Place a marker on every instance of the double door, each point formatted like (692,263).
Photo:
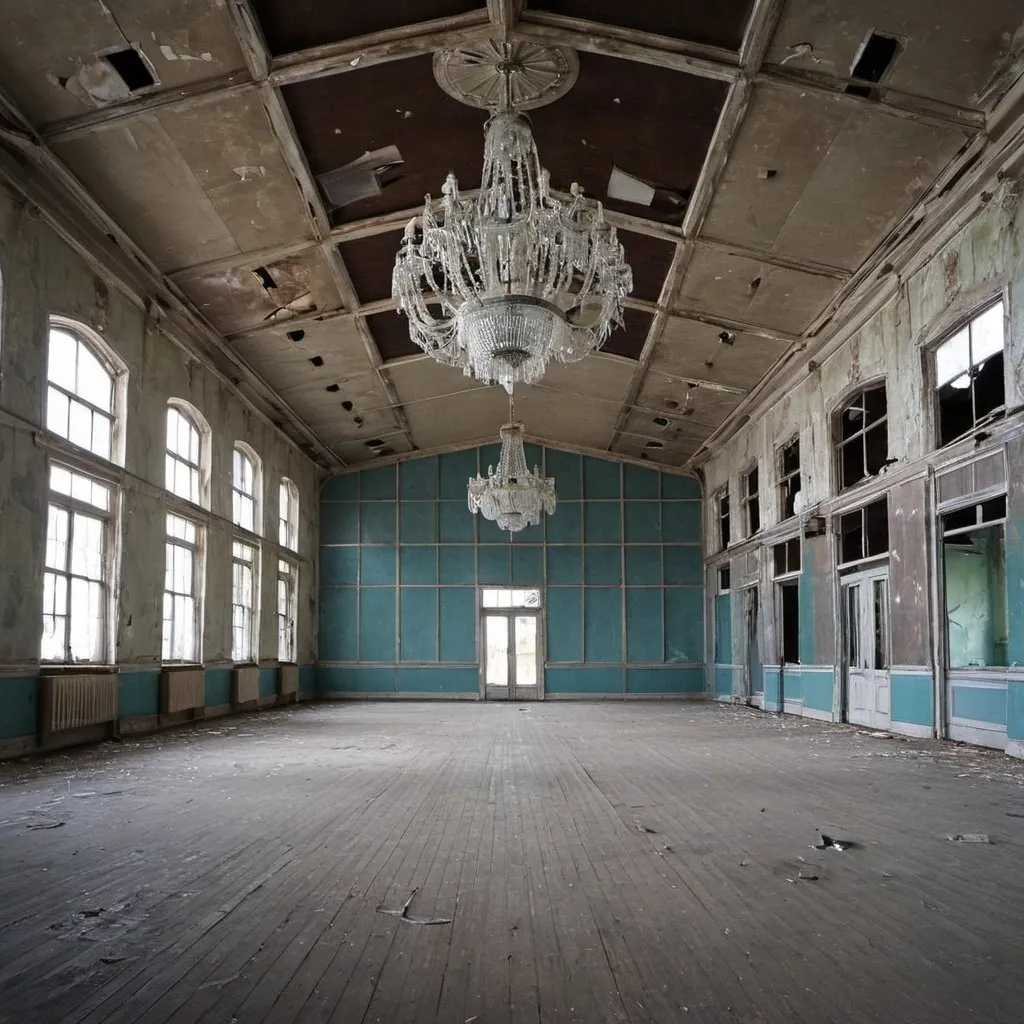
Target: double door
(511,654)
(866,648)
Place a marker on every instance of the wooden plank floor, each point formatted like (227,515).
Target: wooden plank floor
(588,862)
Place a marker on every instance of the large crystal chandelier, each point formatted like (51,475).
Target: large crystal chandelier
(512,278)
(512,497)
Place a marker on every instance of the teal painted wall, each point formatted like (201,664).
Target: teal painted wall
(619,563)
(1015,711)
(911,698)
(807,610)
(817,687)
(723,681)
(979,703)
(723,629)
(17,706)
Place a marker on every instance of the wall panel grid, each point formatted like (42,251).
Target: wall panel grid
(619,562)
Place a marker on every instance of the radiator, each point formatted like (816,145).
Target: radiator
(288,680)
(245,685)
(181,689)
(72,701)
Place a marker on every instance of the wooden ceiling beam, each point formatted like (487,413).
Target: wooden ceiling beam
(504,15)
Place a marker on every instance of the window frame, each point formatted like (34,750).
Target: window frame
(198,551)
(288,514)
(866,561)
(248,654)
(109,520)
(723,521)
(117,370)
(846,403)
(195,419)
(932,370)
(288,576)
(246,451)
(786,547)
(785,478)
(750,501)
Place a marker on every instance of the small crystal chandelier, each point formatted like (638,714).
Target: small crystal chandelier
(521,277)
(513,497)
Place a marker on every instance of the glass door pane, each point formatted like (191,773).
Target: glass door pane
(526,650)
(496,650)
(853,626)
(880,591)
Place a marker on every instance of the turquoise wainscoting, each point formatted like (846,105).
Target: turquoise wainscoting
(911,701)
(268,683)
(1015,717)
(138,693)
(817,686)
(770,686)
(619,564)
(17,706)
(978,708)
(723,682)
(218,687)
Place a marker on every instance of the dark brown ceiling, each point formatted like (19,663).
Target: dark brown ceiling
(629,339)
(299,24)
(370,261)
(390,331)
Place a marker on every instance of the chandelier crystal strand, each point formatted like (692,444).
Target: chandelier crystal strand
(513,497)
(505,282)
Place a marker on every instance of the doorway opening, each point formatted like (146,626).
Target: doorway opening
(865,622)
(510,662)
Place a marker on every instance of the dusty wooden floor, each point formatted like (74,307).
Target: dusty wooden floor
(569,862)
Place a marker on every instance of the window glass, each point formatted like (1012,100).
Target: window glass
(80,395)
(182,460)
(974,571)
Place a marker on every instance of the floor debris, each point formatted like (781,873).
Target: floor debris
(403,914)
(970,837)
(828,843)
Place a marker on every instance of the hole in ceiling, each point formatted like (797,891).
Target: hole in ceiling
(726,337)
(358,420)
(346,405)
(686,412)
(296,335)
(317,360)
(876,56)
(755,284)
(374,442)
(671,403)
(264,277)
(332,388)
(662,421)
(134,71)
(381,452)
(643,455)
(654,444)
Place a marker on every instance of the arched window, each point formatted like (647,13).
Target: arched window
(862,435)
(186,463)
(246,488)
(82,397)
(288,515)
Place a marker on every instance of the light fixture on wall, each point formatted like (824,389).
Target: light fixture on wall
(513,497)
(520,277)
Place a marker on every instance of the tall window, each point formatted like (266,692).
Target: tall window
(187,439)
(246,489)
(78,570)
(182,636)
(974,573)
(81,392)
(83,402)
(722,515)
(789,478)
(287,609)
(244,588)
(862,436)
(751,503)
(969,374)
(288,515)
(864,533)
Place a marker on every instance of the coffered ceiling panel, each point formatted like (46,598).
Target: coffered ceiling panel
(420,379)
(650,259)
(571,419)
(756,293)
(290,25)
(598,376)
(821,179)
(949,51)
(692,350)
(719,24)
(478,413)
(370,261)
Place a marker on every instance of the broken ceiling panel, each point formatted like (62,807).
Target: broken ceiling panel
(813,178)
(952,56)
(355,453)
(628,340)
(689,349)
(50,59)
(700,411)
(631,447)
(719,24)
(738,288)
(650,259)
(291,25)
(370,261)
(240,298)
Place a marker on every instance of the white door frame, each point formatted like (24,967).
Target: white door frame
(514,690)
(866,649)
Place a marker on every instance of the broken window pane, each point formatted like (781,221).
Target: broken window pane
(751,502)
(970,375)
(974,571)
(864,436)
(789,478)
(723,518)
(789,600)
